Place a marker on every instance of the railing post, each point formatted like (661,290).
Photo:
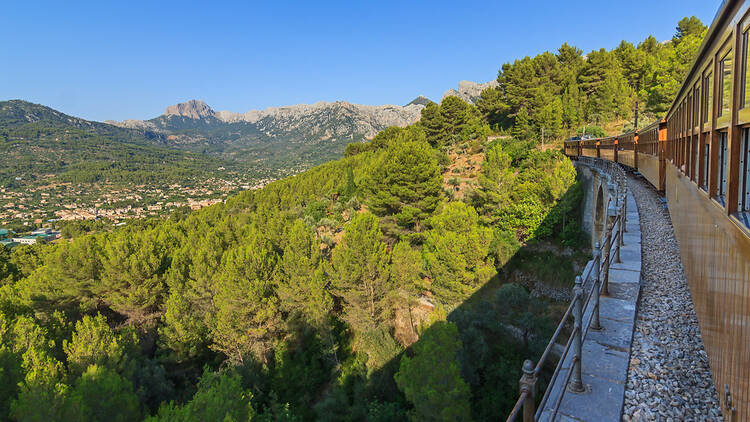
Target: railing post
(605,264)
(623,218)
(576,381)
(595,325)
(607,252)
(619,236)
(528,386)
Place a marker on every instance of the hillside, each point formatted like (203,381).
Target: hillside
(37,142)
(304,290)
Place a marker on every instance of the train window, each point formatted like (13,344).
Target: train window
(707,98)
(696,103)
(743,199)
(724,91)
(745,100)
(696,158)
(721,170)
(706,158)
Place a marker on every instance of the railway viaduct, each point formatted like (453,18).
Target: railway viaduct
(697,160)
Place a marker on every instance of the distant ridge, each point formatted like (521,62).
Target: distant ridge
(279,137)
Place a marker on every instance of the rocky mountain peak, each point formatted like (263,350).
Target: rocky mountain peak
(194,109)
(470,91)
(421,100)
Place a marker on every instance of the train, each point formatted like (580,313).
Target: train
(698,155)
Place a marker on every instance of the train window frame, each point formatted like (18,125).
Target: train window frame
(743,196)
(696,105)
(705,164)
(722,167)
(745,69)
(707,94)
(696,158)
(724,95)
(743,185)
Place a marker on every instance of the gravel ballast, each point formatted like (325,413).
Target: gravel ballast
(669,378)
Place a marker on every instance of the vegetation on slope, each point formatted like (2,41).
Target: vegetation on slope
(36,141)
(296,289)
(554,95)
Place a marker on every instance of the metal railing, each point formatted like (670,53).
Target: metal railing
(590,285)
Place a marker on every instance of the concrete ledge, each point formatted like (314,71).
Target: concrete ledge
(606,353)
(624,276)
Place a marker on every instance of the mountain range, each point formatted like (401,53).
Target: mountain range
(289,137)
(274,142)
(296,136)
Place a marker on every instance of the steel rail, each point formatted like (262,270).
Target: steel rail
(552,342)
(605,253)
(555,374)
(517,407)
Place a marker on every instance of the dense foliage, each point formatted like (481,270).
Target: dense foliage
(306,292)
(552,95)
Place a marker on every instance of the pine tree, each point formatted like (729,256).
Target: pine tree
(406,184)
(550,119)
(435,127)
(7,269)
(687,26)
(102,394)
(456,253)
(95,343)
(495,183)
(302,281)
(247,318)
(220,397)
(493,107)
(521,126)
(406,277)
(455,113)
(431,380)
(360,274)
(133,276)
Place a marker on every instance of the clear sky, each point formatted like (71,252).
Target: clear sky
(130,59)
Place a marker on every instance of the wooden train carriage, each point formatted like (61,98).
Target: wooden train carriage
(607,148)
(571,148)
(650,153)
(589,148)
(700,156)
(626,154)
(707,183)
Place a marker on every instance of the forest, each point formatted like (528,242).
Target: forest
(377,287)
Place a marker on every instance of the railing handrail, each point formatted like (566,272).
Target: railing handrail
(598,266)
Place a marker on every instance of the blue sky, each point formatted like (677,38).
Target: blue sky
(130,59)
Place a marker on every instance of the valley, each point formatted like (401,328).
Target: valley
(56,167)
